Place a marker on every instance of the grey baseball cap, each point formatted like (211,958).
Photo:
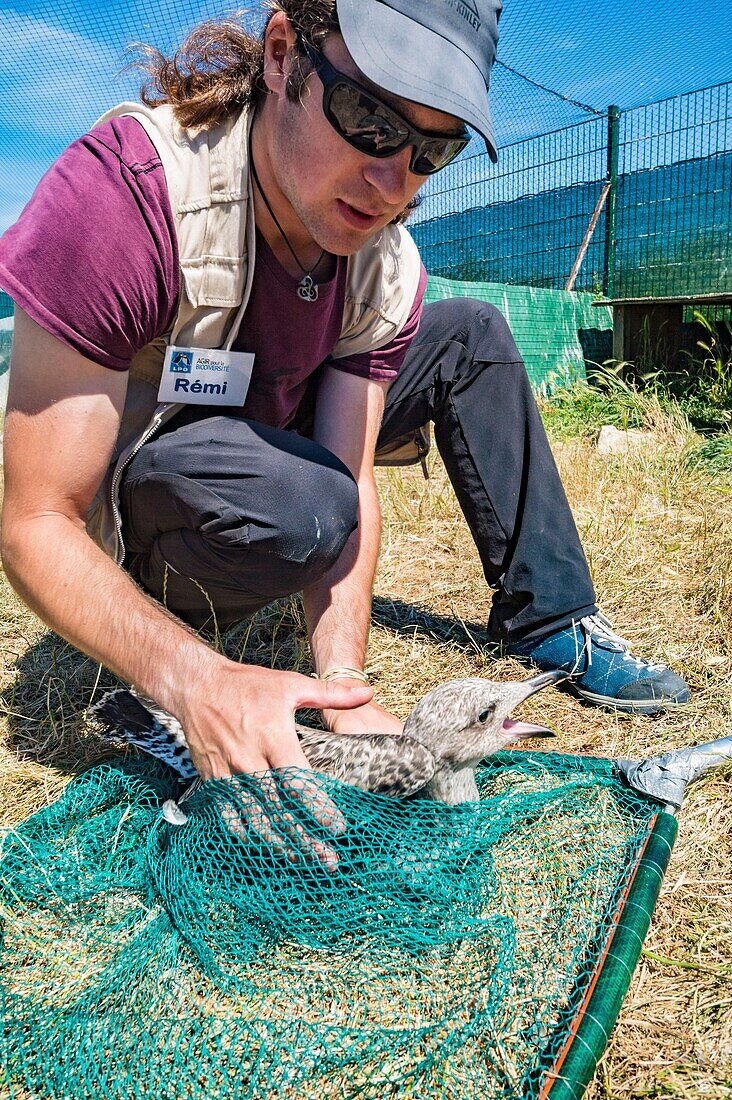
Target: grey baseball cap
(438,53)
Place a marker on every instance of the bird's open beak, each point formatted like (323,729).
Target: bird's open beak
(526,688)
(519,730)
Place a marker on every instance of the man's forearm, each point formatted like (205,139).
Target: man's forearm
(237,718)
(83,595)
(338,606)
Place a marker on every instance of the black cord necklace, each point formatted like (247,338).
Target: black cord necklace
(307,288)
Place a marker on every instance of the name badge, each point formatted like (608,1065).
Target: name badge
(200,376)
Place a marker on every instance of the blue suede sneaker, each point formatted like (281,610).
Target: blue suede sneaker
(601,668)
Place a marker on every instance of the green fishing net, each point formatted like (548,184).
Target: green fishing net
(445,955)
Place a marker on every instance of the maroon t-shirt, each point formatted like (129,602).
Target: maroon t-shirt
(93,259)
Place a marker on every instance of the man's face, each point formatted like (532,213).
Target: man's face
(342,196)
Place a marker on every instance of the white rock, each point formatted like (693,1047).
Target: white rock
(614,441)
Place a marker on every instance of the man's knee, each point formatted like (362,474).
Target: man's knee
(479,326)
(316,514)
(306,518)
(270,532)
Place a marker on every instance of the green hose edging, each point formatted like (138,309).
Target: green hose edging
(575,1072)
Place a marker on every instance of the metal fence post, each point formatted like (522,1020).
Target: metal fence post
(613,148)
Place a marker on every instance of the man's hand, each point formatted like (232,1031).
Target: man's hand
(244,720)
(244,723)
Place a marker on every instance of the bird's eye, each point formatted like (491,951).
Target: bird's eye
(485,714)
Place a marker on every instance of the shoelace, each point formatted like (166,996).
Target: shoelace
(599,627)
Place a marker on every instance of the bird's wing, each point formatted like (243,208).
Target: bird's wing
(394,766)
(138,721)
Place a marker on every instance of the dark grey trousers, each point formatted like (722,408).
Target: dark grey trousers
(221,515)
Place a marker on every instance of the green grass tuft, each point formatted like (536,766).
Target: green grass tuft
(714,455)
(580,410)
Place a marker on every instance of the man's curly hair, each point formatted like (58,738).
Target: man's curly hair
(219,68)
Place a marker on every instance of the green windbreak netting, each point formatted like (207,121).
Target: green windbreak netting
(557,332)
(6,341)
(446,955)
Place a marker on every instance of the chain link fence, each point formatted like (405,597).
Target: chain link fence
(657,177)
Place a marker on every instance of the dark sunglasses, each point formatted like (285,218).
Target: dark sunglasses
(376,129)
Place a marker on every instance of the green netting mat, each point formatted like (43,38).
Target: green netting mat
(446,955)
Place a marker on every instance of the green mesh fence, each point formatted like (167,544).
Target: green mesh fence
(521,221)
(673,225)
(557,332)
(665,228)
(447,955)
(6,343)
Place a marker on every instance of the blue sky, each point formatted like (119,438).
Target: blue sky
(59,60)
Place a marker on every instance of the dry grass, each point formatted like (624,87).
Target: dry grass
(659,539)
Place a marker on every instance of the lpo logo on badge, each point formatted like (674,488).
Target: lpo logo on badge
(181,362)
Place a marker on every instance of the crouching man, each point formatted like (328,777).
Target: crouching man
(219,328)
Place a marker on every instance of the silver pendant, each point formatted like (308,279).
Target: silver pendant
(307,289)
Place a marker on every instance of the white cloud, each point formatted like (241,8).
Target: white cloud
(21,183)
(22,163)
(54,80)
(9,214)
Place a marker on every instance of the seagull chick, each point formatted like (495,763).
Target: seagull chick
(447,734)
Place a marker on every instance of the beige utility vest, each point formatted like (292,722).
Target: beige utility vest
(209,185)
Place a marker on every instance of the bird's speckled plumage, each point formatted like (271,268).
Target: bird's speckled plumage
(450,730)
(130,717)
